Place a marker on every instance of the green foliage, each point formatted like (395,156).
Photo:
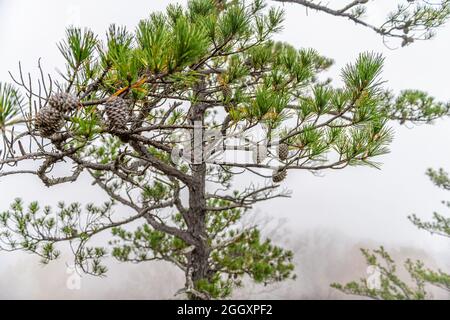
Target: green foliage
(364,74)
(189,44)
(38,230)
(234,22)
(237,251)
(146,244)
(391,285)
(422,20)
(258,258)
(120,56)
(78,47)
(414,106)
(440,178)
(440,224)
(216,286)
(10,99)
(408,21)
(86,124)
(165,46)
(438,278)
(267,106)
(155,192)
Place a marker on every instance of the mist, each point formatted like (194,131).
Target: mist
(321,258)
(327,219)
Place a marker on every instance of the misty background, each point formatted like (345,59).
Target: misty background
(328,218)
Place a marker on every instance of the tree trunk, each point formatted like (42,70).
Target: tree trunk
(198,266)
(197,224)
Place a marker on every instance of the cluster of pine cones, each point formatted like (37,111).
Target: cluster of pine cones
(281,173)
(50,118)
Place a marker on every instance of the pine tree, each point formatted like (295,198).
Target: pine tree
(151,114)
(392,286)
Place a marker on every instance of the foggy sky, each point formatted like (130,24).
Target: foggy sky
(355,205)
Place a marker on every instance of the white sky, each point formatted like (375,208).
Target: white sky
(360,202)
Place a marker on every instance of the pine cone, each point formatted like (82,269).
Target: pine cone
(117,112)
(279,175)
(227,92)
(63,102)
(283,151)
(48,121)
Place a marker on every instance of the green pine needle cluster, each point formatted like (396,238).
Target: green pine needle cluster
(392,286)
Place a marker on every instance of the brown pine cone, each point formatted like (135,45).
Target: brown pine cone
(279,175)
(117,112)
(64,102)
(283,151)
(48,121)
